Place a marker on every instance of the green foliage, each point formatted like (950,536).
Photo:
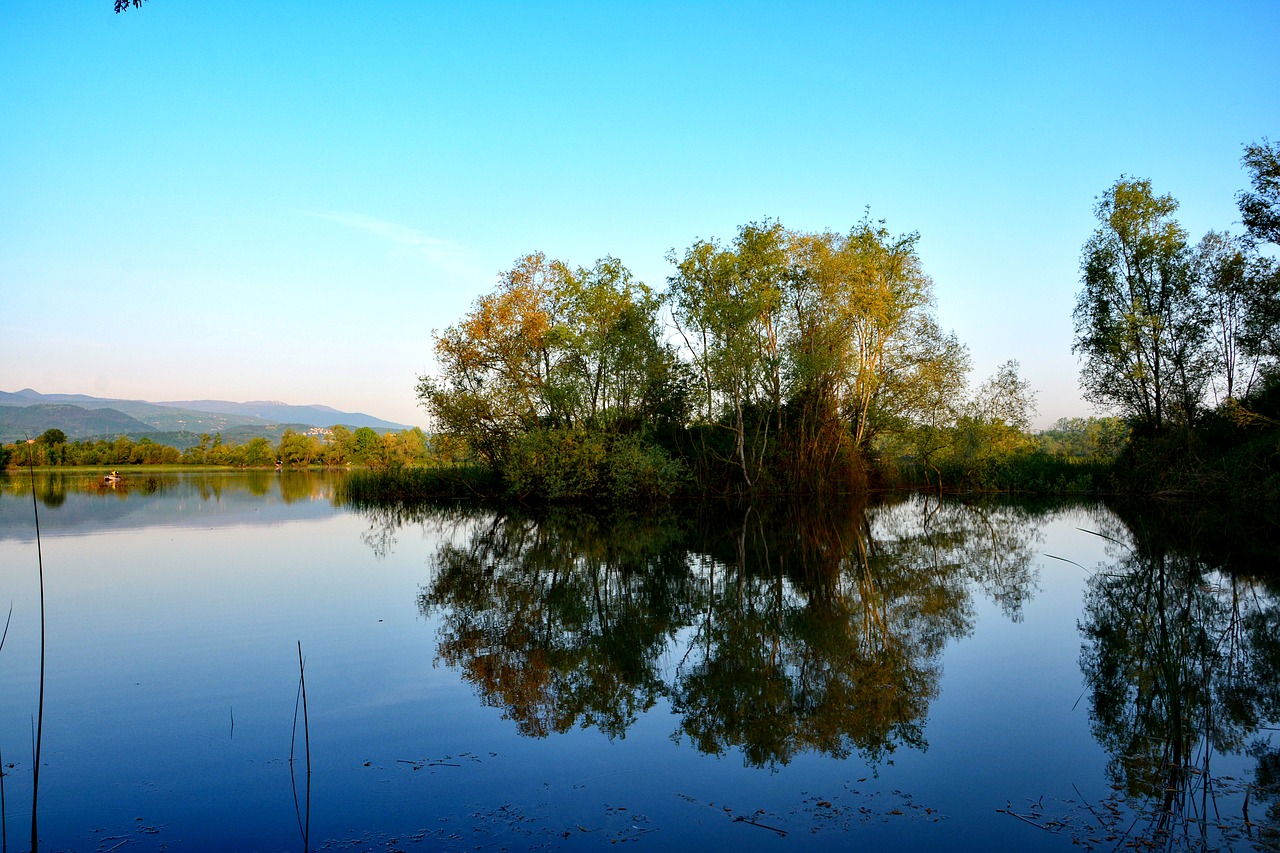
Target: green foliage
(50,437)
(553,348)
(977,441)
(296,449)
(409,486)
(808,346)
(1232,280)
(1090,439)
(638,472)
(1159,323)
(1232,457)
(564,465)
(797,350)
(1260,209)
(1141,328)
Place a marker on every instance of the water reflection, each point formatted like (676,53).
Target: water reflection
(560,622)
(770,631)
(53,486)
(1182,660)
(84,502)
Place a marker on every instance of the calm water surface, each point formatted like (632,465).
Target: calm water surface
(911,674)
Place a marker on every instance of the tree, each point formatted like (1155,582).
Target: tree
(1226,274)
(1085,438)
(829,337)
(340,446)
(1260,209)
(863,313)
(554,348)
(1260,213)
(1140,328)
(723,304)
(611,364)
(258,452)
(51,437)
(496,363)
(365,446)
(994,423)
(297,449)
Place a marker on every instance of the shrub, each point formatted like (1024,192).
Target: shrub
(564,465)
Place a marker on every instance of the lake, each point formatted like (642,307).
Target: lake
(913,673)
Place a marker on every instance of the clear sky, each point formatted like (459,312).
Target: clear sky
(281,200)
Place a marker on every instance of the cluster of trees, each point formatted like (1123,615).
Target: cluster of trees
(555,375)
(777,361)
(1167,329)
(342,446)
(1084,439)
(1182,339)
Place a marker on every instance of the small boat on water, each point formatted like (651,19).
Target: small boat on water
(113,477)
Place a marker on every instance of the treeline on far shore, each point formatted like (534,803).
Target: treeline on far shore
(332,447)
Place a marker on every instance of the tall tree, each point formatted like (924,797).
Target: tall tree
(553,348)
(1140,327)
(1260,213)
(723,306)
(495,363)
(1260,209)
(1226,274)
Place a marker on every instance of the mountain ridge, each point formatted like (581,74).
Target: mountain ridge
(98,416)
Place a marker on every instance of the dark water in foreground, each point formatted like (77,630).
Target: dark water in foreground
(908,675)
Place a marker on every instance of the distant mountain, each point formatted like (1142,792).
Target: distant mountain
(141,417)
(163,418)
(274,410)
(18,423)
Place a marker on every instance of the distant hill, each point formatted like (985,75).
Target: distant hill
(81,416)
(19,423)
(163,418)
(274,410)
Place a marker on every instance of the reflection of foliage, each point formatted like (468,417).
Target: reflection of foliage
(825,632)
(797,647)
(54,487)
(1266,790)
(558,623)
(790,630)
(297,485)
(1184,662)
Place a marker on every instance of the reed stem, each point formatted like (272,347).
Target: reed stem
(39,735)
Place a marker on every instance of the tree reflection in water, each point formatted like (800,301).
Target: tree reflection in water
(1183,662)
(559,623)
(771,631)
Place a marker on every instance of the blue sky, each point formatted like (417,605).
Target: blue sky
(281,200)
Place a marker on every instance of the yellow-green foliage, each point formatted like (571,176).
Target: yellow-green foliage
(572,465)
